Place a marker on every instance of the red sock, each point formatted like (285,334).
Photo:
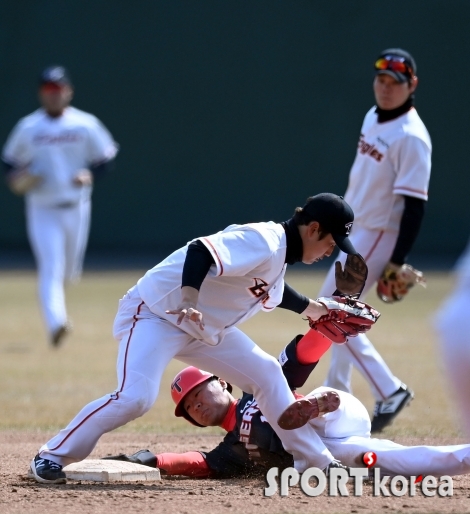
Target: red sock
(312,347)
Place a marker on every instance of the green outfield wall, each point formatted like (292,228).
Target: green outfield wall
(234,111)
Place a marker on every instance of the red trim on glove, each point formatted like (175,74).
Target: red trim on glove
(190,464)
(312,347)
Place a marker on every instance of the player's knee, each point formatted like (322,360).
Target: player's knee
(137,398)
(133,406)
(272,370)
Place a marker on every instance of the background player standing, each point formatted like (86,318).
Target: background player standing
(52,156)
(388,189)
(454,332)
(188,307)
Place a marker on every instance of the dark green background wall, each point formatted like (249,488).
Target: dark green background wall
(233,111)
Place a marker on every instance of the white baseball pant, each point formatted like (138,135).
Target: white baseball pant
(376,247)
(147,344)
(58,238)
(346,433)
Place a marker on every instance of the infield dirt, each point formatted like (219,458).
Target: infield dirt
(42,389)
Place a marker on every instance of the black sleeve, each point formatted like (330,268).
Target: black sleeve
(196,265)
(102,168)
(7,167)
(409,229)
(293,301)
(296,374)
(229,458)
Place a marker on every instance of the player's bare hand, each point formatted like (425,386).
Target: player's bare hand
(83,177)
(188,313)
(315,310)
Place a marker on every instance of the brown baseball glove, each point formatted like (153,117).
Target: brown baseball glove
(346,317)
(21,181)
(396,281)
(351,280)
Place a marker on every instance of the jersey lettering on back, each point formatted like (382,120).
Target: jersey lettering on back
(249,410)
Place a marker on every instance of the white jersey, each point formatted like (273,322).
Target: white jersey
(248,276)
(55,149)
(393,159)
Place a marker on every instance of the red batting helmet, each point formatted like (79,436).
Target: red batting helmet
(184,382)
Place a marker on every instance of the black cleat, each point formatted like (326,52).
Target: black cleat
(387,410)
(46,471)
(58,335)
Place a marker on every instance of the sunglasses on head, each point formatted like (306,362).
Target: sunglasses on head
(392,63)
(51,87)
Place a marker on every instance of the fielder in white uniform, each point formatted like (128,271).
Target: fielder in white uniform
(388,189)
(188,306)
(59,149)
(454,333)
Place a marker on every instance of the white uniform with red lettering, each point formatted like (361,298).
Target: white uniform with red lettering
(57,211)
(248,276)
(346,433)
(393,159)
(453,327)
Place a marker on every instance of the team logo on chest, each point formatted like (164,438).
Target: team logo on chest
(369,149)
(258,289)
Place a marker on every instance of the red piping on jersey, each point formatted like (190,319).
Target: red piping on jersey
(414,190)
(116,397)
(217,255)
(374,246)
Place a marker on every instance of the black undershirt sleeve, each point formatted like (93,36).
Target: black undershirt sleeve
(196,265)
(293,301)
(103,168)
(7,167)
(409,229)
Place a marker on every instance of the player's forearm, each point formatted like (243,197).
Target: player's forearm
(8,167)
(314,310)
(189,296)
(190,464)
(196,265)
(293,301)
(101,168)
(409,229)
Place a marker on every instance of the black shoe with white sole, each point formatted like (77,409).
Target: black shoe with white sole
(46,471)
(387,410)
(57,337)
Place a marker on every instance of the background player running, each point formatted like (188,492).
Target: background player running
(52,157)
(388,189)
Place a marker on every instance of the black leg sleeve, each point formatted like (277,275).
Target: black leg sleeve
(295,373)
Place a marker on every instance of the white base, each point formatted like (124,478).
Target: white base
(98,470)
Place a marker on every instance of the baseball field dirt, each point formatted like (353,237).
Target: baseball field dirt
(41,389)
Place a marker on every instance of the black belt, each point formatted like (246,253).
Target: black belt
(65,205)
